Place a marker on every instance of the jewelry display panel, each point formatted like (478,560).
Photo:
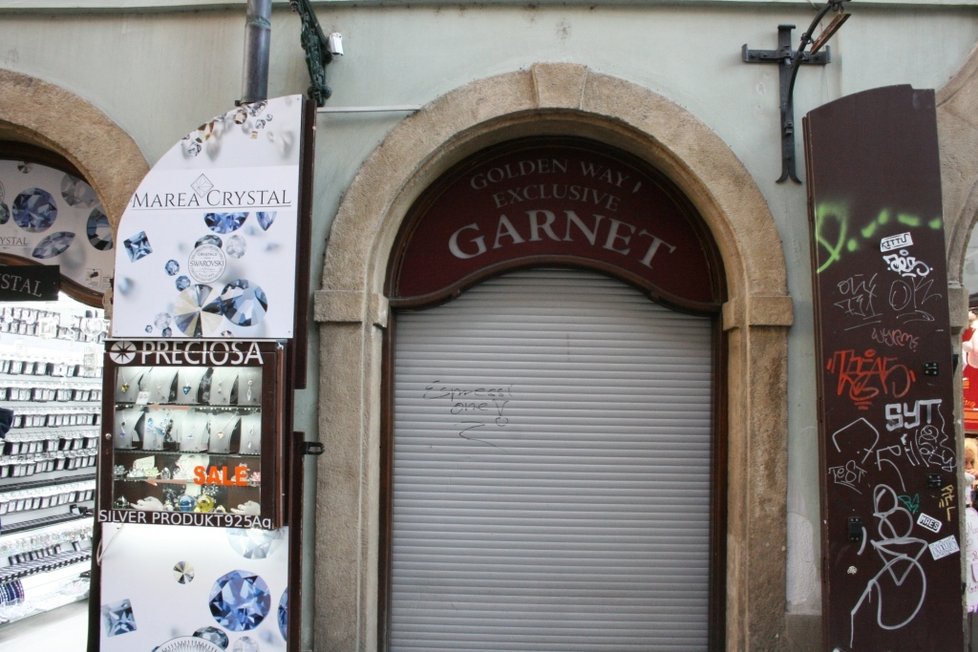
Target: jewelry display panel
(195,433)
(51,401)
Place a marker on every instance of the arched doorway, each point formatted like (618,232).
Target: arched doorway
(353,311)
(554,435)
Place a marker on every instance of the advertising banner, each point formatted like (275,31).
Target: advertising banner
(207,245)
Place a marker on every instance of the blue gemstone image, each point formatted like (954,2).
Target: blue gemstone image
(195,314)
(214,635)
(243,304)
(239,601)
(172,267)
(211,240)
(117,618)
(265,219)
(283,615)
(76,192)
(186,503)
(183,282)
(35,210)
(224,222)
(98,230)
(4,213)
(138,246)
(53,245)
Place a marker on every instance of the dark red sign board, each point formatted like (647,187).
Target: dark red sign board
(890,494)
(546,202)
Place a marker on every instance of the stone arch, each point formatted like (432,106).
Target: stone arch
(38,113)
(351,309)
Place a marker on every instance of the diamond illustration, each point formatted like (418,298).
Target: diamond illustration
(4,213)
(34,210)
(77,193)
(171,267)
(183,572)
(224,222)
(236,246)
(183,282)
(214,635)
(283,615)
(253,544)
(98,230)
(162,320)
(265,219)
(53,245)
(211,240)
(138,246)
(191,146)
(243,304)
(194,314)
(201,184)
(117,618)
(123,285)
(239,601)
(245,644)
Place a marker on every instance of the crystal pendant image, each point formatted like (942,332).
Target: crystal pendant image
(214,635)
(195,314)
(224,222)
(138,246)
(117,618)
(53,245)
(253,543)
(239,601)
(283,615)
(4,213)
(265,219)
(77,193)
(98,230)
(243,303)
(183,572)
(35,210)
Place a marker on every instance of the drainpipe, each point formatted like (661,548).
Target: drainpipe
(258,36)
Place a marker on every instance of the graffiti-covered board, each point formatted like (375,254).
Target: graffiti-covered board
(890,498)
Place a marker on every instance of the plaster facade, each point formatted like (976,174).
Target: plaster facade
(677,109)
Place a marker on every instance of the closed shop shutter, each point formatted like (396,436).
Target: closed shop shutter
(551,474)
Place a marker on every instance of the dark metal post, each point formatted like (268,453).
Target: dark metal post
(258,36)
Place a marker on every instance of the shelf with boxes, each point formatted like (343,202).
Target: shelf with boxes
(195,428)
(51,402)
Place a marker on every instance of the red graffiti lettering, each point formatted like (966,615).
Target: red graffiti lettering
(868,376)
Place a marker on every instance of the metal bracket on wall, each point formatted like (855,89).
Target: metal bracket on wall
(313,448)
(316,46)
(789,61)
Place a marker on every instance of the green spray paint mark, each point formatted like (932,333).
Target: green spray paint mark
(833,228)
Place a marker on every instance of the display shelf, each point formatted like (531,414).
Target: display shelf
(194,437)
(51,381)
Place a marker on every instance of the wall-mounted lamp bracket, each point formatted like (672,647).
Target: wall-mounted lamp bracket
(789,60)
(317,48)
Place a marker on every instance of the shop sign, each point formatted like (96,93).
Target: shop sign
(212,353)
(193,519)
(207,245)
(30,283)
(556,203)
(892,502)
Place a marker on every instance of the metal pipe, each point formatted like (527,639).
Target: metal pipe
(258,36)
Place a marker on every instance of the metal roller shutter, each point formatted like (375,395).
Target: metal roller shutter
(551,470)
